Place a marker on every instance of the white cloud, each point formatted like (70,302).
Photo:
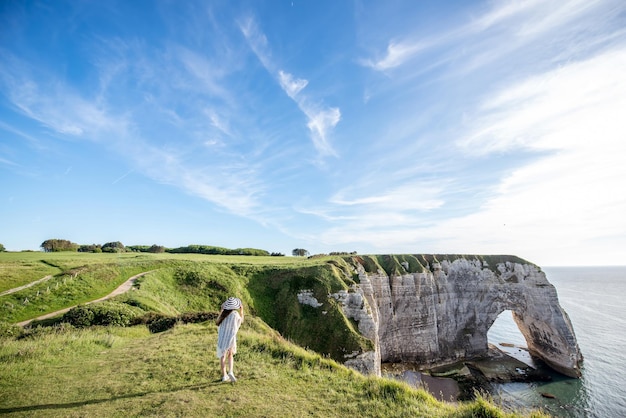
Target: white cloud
(291,85)
(397,53)
(568,202)
(551,110)
(8,162)
(66,113)
(320,123)
(321,120)
(506,27)
(564,196)
(219,123)
(207,76)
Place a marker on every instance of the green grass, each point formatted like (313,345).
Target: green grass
(16,273)
(70,287)
(111,372)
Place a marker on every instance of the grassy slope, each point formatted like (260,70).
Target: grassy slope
(130,372)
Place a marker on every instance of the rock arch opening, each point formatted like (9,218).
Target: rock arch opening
(505,335)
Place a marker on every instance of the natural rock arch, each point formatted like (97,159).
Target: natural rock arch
(442,314)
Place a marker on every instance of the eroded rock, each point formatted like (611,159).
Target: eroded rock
(441,315)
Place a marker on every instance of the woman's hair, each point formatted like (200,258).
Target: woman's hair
(223,316)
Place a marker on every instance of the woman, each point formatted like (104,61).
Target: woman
(228,322)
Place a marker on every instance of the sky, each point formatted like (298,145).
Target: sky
(456,127)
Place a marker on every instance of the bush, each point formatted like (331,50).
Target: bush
(106,313)
(196,317)
(162,323)
(79,316)
(157,322)
(113,313)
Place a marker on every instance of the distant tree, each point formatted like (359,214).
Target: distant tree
(93,248)
(113,247)
(2,249)
(156,249)
(54,245)
(209,249)
(300,252)
(277,255)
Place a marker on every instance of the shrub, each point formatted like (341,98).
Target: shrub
(113,247)
(162,323)
(79,316)
(106,313)
(196,317)
(112,313)
(146,318)
(136,303)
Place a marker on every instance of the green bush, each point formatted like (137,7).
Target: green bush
(113,313)
(157,322)
(106,313)
(162,323)
(196,317)
(79,316)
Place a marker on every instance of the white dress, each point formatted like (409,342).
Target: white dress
(227,333)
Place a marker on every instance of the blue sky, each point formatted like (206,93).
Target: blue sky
(380,127)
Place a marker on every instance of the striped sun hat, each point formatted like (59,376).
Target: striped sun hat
(232,303)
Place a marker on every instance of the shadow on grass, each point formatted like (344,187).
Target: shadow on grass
(40,407)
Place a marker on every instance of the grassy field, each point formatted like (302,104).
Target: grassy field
(60,370)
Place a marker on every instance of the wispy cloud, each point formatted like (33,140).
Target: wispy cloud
(8,162)
(396,54)
(504,28)
(558,103)
(291,85)
(535,112)
(66,113)
(321,119)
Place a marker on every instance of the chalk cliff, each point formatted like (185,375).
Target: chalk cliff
(435,310)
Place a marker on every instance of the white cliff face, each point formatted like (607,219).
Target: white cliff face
(355,305)
(306,297)
(442,315)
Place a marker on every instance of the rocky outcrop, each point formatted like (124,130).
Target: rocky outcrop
(436,310)
(355,306)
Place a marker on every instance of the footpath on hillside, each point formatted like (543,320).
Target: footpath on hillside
(124,287)
(26,286)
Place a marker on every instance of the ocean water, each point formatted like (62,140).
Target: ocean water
(595,300)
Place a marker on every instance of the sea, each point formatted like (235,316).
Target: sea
(595,300)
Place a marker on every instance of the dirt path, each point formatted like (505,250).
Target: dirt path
(26,286)
(124,287)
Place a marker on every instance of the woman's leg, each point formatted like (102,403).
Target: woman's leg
(223,363)
(231,361)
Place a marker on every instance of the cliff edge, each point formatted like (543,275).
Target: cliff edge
(431,310)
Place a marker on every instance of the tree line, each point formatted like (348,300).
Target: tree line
(56,245)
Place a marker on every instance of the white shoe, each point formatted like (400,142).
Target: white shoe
(225,378)
(232,377)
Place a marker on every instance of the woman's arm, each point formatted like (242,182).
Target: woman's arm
(241,312)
